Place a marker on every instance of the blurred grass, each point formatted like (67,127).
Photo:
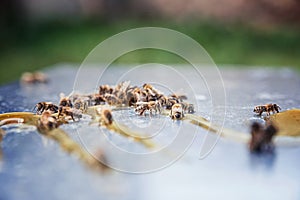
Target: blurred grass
(37,46)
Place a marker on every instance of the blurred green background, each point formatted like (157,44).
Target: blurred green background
(40,33)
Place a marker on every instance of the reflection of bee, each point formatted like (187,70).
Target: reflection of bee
(177,111)
(71,112)
(268,108)
(100,160)
(261,138)
(151,106)
(106,117)
(46,106)
(47,122)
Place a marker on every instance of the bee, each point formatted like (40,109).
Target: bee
(147,86)
(268,108)
(65,102)
(47,121)
(170,102)
(105,89)
(40,77)
(187,107)
(151,106)
(178,98)
(31,78)
(162,99)
(98,99)
(71,112)
(130,96)
(81,104)
(121,88)
(151,92)
(89,99)
(177,111)
(112,99)
(140,95)
(46,106)
(106,117)
(261,137)
(173,99)
(27,78)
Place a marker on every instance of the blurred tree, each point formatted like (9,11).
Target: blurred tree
(12,21)
(257,12)
(284,11)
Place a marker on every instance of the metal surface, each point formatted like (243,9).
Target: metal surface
(34,167)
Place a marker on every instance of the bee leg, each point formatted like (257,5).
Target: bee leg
(142,112)
(72,116)
(159,110)
(34,108)
(41,111)
(59,114)
(150,113)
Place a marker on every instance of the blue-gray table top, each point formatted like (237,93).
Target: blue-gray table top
(35,167)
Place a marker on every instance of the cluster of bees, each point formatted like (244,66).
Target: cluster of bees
(145,99)
(64,111)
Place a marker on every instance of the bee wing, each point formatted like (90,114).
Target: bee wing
(140,103)
(34,108)
(62,95)
(255,109)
